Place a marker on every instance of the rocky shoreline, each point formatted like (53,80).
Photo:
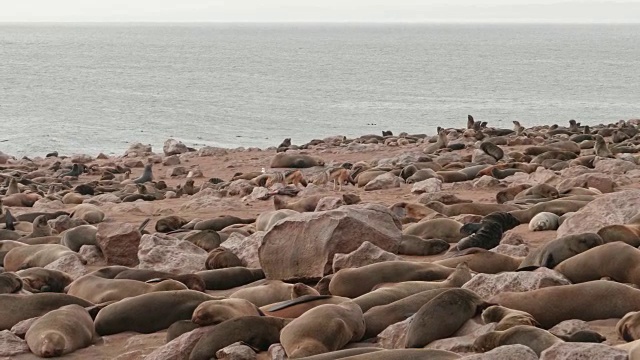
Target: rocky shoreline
(477,214)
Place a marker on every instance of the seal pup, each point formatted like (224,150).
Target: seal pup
(450,310)
(258,332)
(307,204)
(40,228)
(44,280)
(61,332)
(490,232)
(482,261)
(221,222)
(323,329)
(10,283)
(544,221)
(147,174)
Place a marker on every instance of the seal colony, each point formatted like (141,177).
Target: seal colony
(409,246)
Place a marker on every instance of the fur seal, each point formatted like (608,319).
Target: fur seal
(629,234)
(21,200)
(482,261)
(78,236)
(544,221)
(323,329)
(628,327)
(532,337)
(170,223)
(510,193)
(40,228)
(147,175)
(213,312)
(490,232)
(61,332)
(191,281)
(593,300)
(601,149)
(221,258)
(445,229)
(422,174)
(440,143)
(492,150)
(25,257)
(558,207)
(267,220)
(131,314)
(10,283)
(416,246)
(556,251)
(297,161)
(385,294)
(343,354)
(452,176)
(208,240)
(30,217)
(545,191)
(507,318)
(221,222)
(15,308)
(307,204)
(294,308)
(178,328)
(469,208)
(258,332)
(5,246)
(100,290)
(617,260)
(228,278)
(272,292)
(44,280)
(88,212)
(354,282)
(450,310)
(411,212)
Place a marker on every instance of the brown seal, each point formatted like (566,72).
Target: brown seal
(221,222)
(422,174)
(452,176)
(629,326)
(593,300)
(507,318)
(25,257)
(556,251)
(355,282)
(221,258)
(299,161)
(307,204)
(482,261)
(228,278)
(323,329)
(61,332)
(294,308)
(601,149)
(131,314)
(272,292)
(10,283)
(15,308)
(416,246)
(545,191)
(78,236)
(100,290)
(450,310)
(213,312)
(88,212)
(629,233)
(385,294)
(445,229)
(470,208)
(558,207)
(41,228)
(510,193)
(178,328)
(45,280)
(617,260)
(258,332)
(170,223)
(21,200)
(532,337)
(441,142)
(191,281)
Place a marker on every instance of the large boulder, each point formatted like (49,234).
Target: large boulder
(165,253)
(180,347)
(488,285)
(506,352)
(462,342)
(70,264)
(64,222)
(613,166)
(236,351)
(602,182)
(174,147)
(395,335)
(540,176)
(212,151)
(119,243)
(384,181)
(428,186)
(245,248)
(11,345)
(609,209)
(580,351)
(138,150)
(366,254)
(302,246)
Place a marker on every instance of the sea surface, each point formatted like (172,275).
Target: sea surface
(89,88)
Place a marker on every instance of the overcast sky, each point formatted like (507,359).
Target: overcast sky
(320,10)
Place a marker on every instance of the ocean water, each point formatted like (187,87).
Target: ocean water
(99,87)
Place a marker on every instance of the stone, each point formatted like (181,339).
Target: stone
(574,171)
(65,222)
(383,182)
(583,351)
(485,181)
(512,238)
(172,160)
(428,186)
(276,352)
(20,329)
(212,151)
(119,243)
(195,172)
(81,159)
(179,348)
(488,285)
(46,205)
(177,171)
(609,209)
(540,176)
(92,255)
(365,254)
(569,327)
(174,147)
(245,248)
(521,250)
(446,198)
(302,246)
(133,163)
(258,193)
(240,187)
(103,199)
(70,264)
(602,182)
(613,166)
(505,352)
(462,343)
(479,157)
(329,203)
(395,336)
(162,252)
(312,189)
(138,150)
(11,345)
(236,351)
